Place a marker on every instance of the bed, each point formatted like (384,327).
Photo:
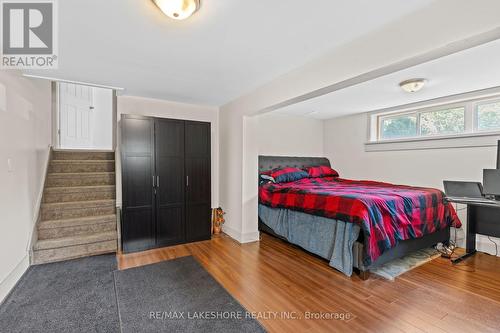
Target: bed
(343,236)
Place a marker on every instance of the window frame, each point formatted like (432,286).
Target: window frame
(475,115)
(418,112)
(390,116)
(470,138)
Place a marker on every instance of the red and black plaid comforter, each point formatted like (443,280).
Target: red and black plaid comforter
(386,213)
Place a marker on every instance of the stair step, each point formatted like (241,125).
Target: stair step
(84,230)
(82,155)
(76,227)
(81,221)
(78,213)
(78,193)
(80,179)
(56,243)
(72,166)
(75,209)
(73,252)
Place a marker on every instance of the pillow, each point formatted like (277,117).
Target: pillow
(286,175)
(321,171)
(265,178)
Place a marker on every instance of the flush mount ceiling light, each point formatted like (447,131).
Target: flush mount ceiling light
(412,85)
(178,9)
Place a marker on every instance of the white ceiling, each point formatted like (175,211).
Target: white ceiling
(227,49)
(473,69)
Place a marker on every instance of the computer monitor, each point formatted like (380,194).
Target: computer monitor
(463,189)
(491,182)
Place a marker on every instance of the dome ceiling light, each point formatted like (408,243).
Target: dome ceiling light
(178,9)
(412,85)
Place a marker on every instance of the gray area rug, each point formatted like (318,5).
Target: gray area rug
(71,296)
(396,267)
(177,296)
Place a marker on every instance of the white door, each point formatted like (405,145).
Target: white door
(76,113)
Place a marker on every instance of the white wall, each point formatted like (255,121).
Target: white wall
(25,132)
(285,135)
(270,134)
(344,146)
(173,110)
(368,54)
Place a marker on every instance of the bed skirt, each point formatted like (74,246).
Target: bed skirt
(339,242)
(330,239)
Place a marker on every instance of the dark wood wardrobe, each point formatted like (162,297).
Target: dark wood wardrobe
(166,186)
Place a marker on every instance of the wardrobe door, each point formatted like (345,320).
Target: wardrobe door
(170,194)
(137,151)
(198,184)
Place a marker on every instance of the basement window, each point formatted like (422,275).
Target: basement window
(488,116)
(442,121)
(469,122)
(399,126)
(456,119)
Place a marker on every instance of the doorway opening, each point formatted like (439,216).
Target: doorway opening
(84,117)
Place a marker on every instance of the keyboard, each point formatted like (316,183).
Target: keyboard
(467,199)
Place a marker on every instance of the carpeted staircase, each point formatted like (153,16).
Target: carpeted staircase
(78,213)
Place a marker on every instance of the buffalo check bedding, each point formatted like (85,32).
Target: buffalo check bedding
(386,213)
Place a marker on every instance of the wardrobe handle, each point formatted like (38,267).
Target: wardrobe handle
(154,184)
(187,180)
(157,181)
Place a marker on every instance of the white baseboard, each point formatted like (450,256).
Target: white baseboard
(231,232)
(483,244)
(11,280)
(240,237)
(249,237)
(33,234)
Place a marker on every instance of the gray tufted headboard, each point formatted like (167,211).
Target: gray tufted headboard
(267,163)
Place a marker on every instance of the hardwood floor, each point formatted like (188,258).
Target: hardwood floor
(276,278)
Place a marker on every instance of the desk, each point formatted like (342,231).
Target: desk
(483,219)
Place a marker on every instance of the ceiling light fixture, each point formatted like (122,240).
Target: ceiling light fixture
(178,9)
(412,85)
